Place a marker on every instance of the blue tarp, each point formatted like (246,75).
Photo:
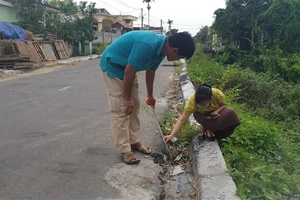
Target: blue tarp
(10,31)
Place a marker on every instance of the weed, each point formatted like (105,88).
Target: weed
(262,155)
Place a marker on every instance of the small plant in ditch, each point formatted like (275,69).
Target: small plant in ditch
(178,151)
(177,155)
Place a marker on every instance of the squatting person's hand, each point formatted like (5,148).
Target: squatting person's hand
(167,138)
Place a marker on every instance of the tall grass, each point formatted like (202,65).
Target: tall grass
(262,155)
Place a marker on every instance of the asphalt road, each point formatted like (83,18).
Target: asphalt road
(55,138)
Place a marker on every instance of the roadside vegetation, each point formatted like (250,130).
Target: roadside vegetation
(68,20)
(263,154)
(252,53)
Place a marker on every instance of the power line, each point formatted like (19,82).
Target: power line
(131,11)
(145,18)
(111,6)
(154,17)
(191,22)
(186,25)
(126,5)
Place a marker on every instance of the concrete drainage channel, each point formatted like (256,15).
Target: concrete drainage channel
(198,172)
(177,176)
(169,178)
(209,166)
(176,162)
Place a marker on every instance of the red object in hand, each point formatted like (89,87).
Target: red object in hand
(147,102)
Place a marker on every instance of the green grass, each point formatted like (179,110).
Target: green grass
(262,155)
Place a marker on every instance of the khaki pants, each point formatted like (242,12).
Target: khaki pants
(125,128)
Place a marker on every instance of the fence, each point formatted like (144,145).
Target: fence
(106,37)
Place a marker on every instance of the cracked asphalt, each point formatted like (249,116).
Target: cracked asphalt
(55,138)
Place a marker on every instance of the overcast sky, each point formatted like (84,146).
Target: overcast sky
(187,15)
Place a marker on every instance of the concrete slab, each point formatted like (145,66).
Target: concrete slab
(219,187)
(209,165)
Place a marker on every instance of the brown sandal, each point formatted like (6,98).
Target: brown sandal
(129,158)
(139,147)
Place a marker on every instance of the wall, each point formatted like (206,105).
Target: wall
(106,37)
(7,12)
(103,20)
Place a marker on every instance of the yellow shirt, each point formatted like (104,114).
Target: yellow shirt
(217,99)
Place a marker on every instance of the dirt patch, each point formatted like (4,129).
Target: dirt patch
(34,71)
(27,73)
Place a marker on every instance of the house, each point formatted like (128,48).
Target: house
(103,20)
(108,27)
(159,30)
(8,12)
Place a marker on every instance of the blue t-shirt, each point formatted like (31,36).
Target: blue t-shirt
(141,49)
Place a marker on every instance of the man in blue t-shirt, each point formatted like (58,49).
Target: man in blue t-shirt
(132,52)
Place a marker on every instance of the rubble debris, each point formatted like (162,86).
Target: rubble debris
(17,54)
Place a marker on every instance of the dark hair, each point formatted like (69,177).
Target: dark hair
(184,42)
(203,93)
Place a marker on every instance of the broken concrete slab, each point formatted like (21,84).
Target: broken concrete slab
(136,181)
(209,165)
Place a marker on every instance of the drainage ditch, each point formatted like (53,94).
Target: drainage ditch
(177,160)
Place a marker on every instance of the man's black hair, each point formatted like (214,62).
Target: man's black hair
(203,93)
(184,42)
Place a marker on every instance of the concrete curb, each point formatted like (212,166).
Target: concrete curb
(209,165)
(5,72)
(72,59)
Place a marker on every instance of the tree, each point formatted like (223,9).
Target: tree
(237,22)
(281,25)
(170,22)
(203,35)
(73,23)
(172,32)
(32,15)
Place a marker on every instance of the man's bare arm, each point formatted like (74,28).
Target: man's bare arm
(129,76)
(150,75)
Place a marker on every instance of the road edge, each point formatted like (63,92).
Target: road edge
(209,166)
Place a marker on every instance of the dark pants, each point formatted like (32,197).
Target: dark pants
(223,126)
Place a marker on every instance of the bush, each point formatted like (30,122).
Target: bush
(263,153)
(260,160)
(99,49)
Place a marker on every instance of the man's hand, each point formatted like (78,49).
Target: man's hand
(129,105)
(151,101)
(129,76)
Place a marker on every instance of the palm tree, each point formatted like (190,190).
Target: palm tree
(170,22)
(148,7)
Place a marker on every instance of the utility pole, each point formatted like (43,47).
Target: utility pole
(142,18)
(161,28)
(148,7)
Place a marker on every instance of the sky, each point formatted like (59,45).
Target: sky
(187,15)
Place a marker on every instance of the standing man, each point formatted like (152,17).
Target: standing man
(132,52)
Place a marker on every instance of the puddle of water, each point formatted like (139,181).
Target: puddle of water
(180,187)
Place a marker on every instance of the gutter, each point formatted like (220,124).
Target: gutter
(209,166)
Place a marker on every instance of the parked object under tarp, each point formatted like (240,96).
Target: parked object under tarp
(10,31)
